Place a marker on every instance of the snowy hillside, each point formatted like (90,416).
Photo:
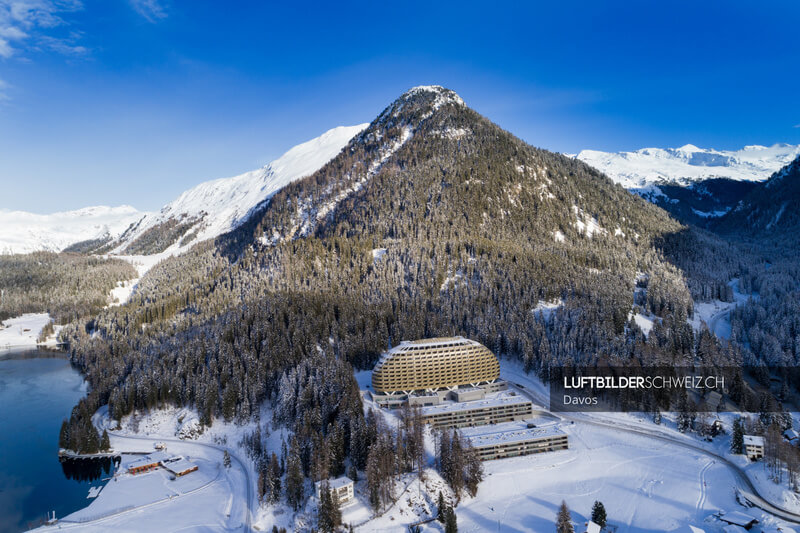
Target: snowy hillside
(689,164)
(23,232)
(217,206)
(200,213)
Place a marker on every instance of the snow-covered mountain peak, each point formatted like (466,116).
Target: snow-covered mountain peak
(689,163)
(443,95)
(688,148)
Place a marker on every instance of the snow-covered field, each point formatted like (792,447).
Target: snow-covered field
(24,331)
(646,483)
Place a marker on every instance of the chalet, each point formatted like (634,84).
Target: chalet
(791,436)
(754,447)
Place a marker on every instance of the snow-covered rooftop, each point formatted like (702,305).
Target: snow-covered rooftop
(178,465)
(421,344)
(151,458)
(337,483)
(753,440)
(508,432)
(494,401)
(738,518)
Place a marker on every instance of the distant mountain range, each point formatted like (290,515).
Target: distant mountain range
(693,184)
(690,164)
(22,232)
(696,185)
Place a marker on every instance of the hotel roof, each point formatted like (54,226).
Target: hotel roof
(496,401)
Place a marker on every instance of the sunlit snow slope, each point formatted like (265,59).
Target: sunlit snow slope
(23,232)
(217,206)
(204,211)
(689,164)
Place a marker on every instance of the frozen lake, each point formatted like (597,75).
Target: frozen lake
(38,389)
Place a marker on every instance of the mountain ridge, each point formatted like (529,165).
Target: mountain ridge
(202,212)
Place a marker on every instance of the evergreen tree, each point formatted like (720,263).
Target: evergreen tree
(441,508)
(564,520)
(450,522)
(226,459)
(329,516)
(737,437)
(599,514)
(63,436)
(274,479)
(105,442)
(294,479)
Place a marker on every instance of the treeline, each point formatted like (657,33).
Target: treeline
(68,286)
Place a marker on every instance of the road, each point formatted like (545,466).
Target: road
(744,484)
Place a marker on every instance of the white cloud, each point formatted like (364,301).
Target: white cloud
(152,10)
(796,126)
(25,24)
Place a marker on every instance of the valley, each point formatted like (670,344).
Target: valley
(245,318)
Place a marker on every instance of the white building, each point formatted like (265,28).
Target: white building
(754,447)
(512,439)
(341,488)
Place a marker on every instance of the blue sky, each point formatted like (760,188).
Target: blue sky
(114,101)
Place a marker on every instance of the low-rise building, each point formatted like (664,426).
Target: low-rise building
(341,488)
(754,447)
(147,462)
(512,439)
(176,464)
(478,413)
(791,436)
(739,519)
(179,466)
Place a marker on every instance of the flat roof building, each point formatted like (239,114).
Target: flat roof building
(341,488)
(147,462)
(477,412)
(175,464)
(513,439)
(429,365)
(754,447)
(179,466)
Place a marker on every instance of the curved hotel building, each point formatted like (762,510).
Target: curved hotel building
(424,368)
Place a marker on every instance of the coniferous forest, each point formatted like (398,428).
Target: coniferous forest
(478,230)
